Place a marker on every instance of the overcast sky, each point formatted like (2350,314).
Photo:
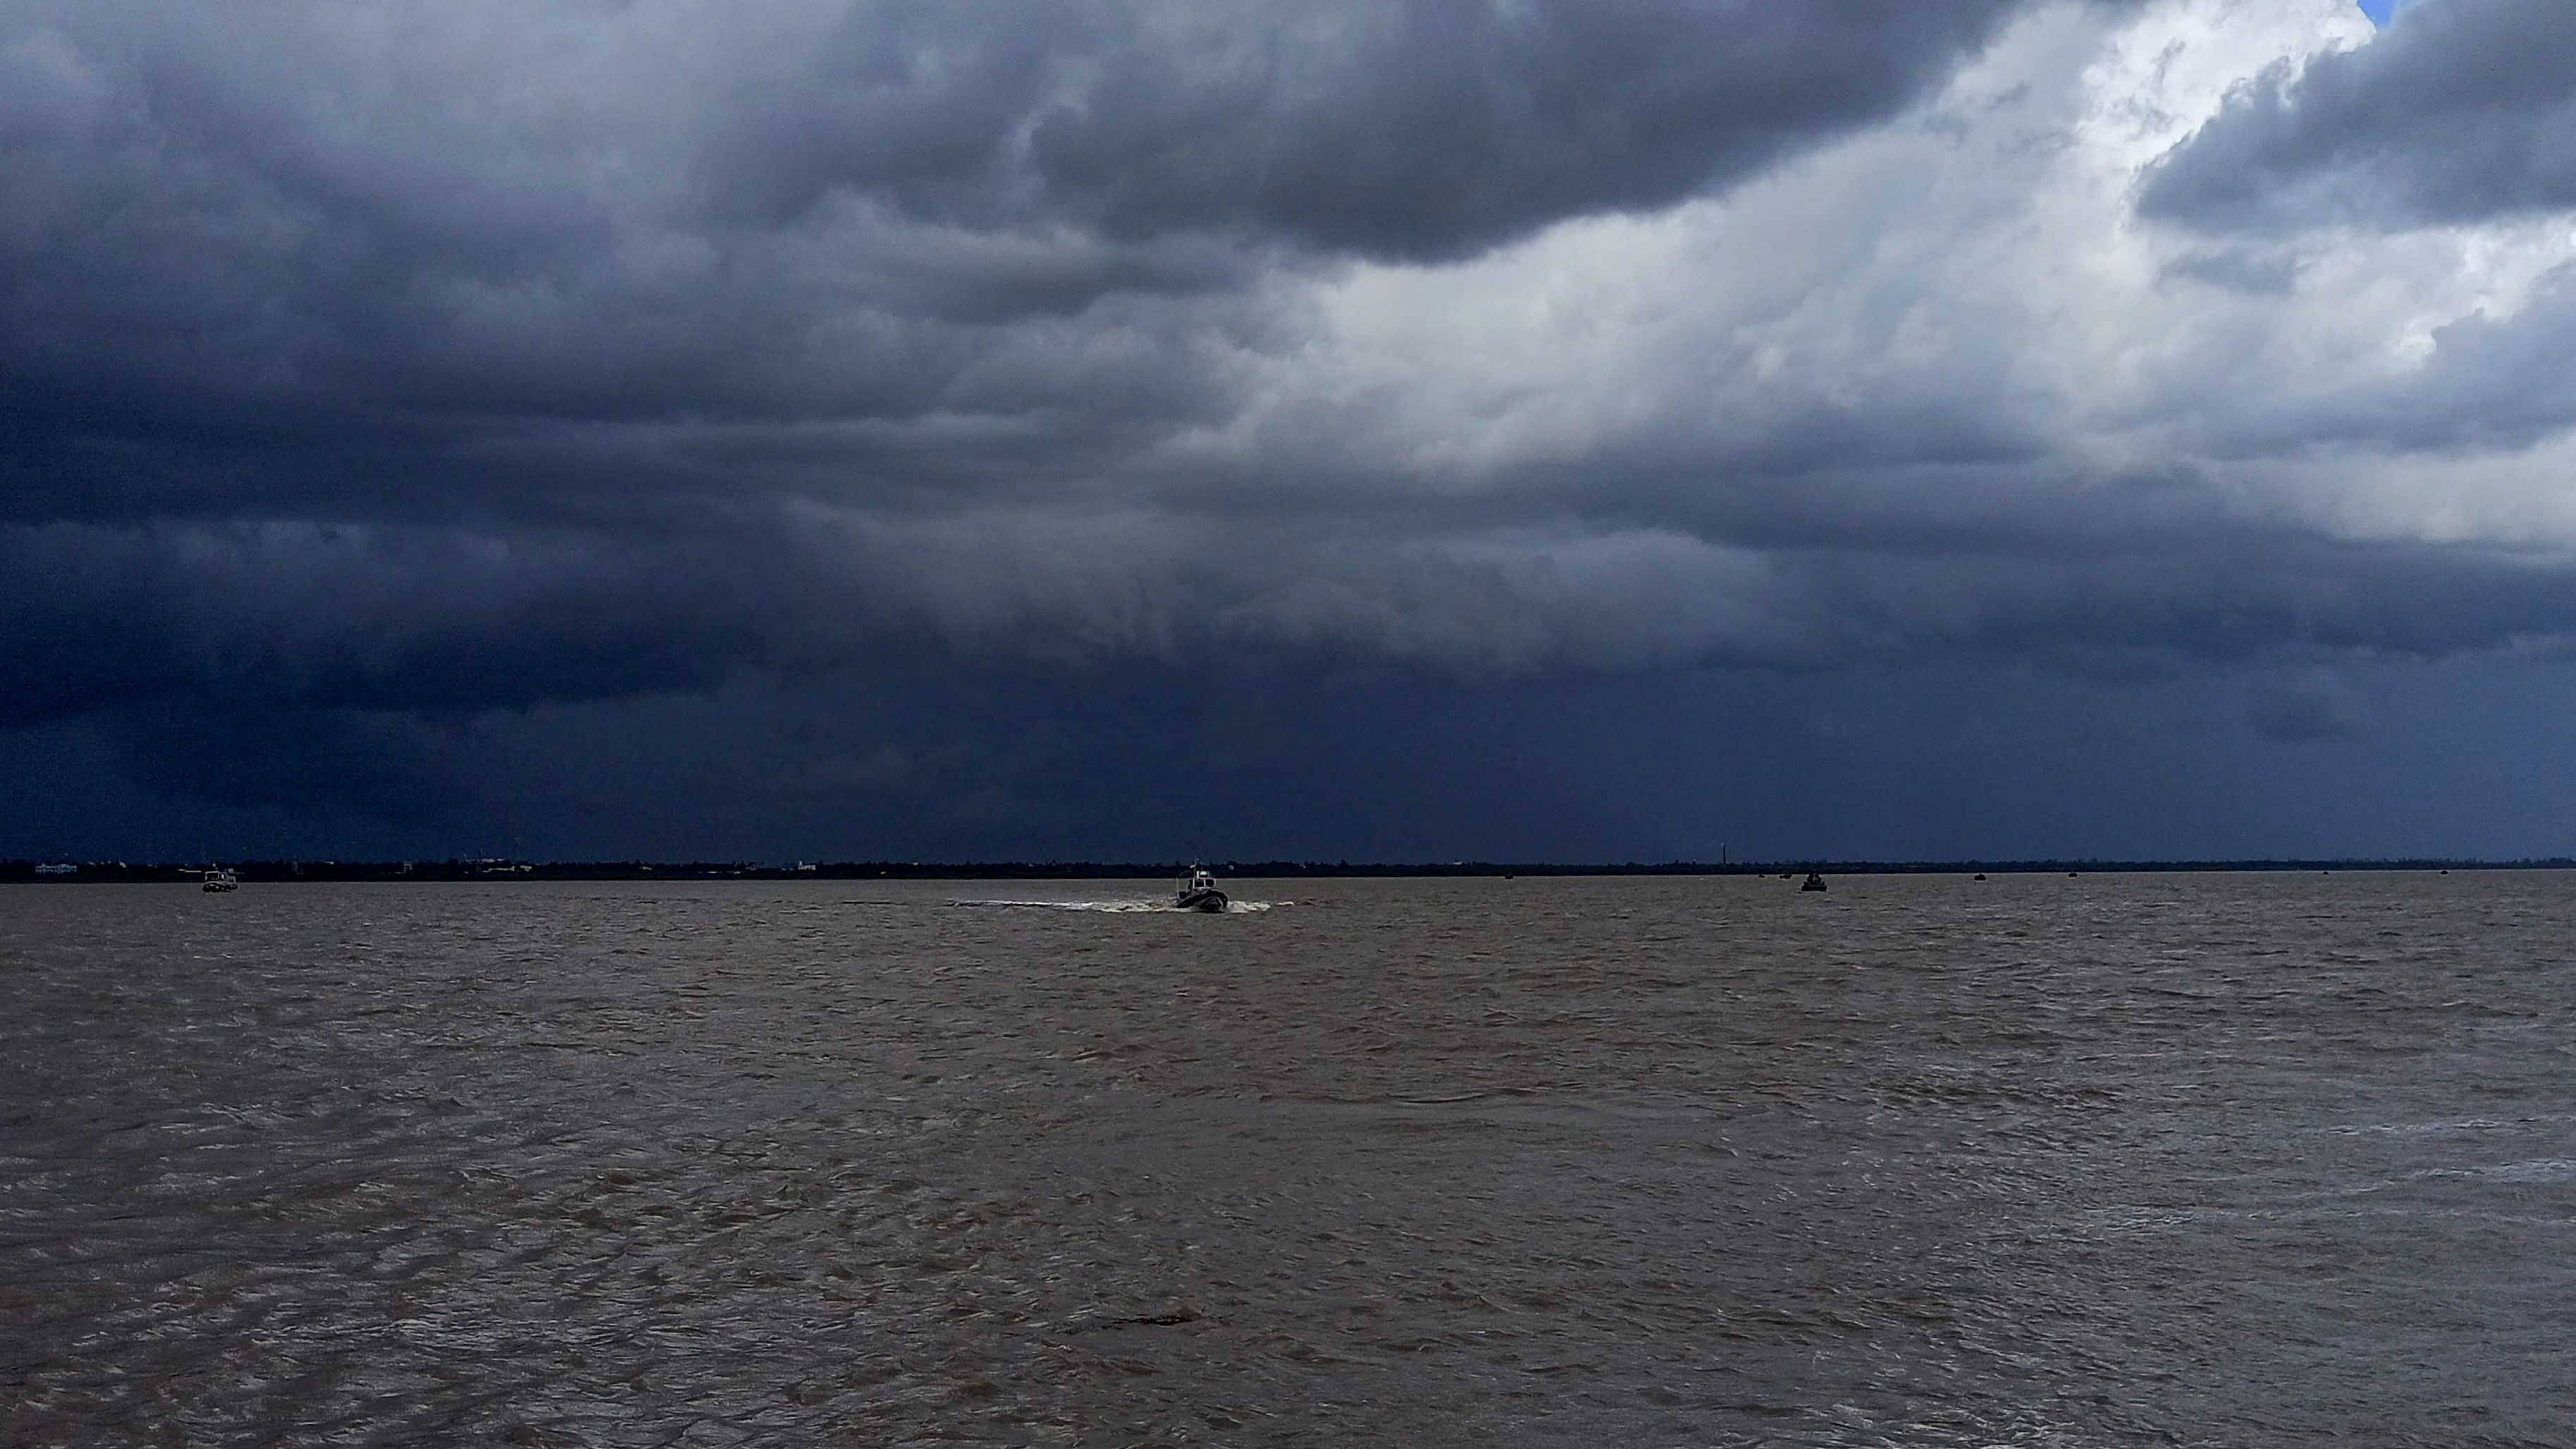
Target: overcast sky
(1577,429)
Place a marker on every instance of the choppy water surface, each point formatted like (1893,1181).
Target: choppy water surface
(2241,1160)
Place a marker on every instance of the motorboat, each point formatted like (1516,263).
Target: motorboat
(1813,882)
(1197,892)
(219,880)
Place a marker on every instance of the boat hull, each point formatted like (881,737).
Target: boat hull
(1203,900)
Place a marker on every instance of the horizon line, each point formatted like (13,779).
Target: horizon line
(289,868)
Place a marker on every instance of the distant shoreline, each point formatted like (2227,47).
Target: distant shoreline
(288,871)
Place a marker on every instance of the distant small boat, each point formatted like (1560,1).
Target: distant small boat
(1198,892)
(219,880)
(1813,882)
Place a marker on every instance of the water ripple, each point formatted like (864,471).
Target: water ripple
(2053,1162)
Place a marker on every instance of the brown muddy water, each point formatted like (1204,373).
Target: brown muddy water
(2116,1160)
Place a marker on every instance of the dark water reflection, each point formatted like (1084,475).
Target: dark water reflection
(2103,1161)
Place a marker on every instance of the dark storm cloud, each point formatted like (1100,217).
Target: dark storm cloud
(1434,128)
(2313,705)
(2463,110)
(303,617)
(1421,129)
(319,227)
(398,356)
(373,376)
(810,210)
(354,615)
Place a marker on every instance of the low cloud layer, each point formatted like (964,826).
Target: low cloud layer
(439,361)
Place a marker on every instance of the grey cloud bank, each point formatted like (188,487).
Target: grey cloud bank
(394,398)
(2464,111)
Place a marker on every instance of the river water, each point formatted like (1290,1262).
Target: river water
(2039,1161)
